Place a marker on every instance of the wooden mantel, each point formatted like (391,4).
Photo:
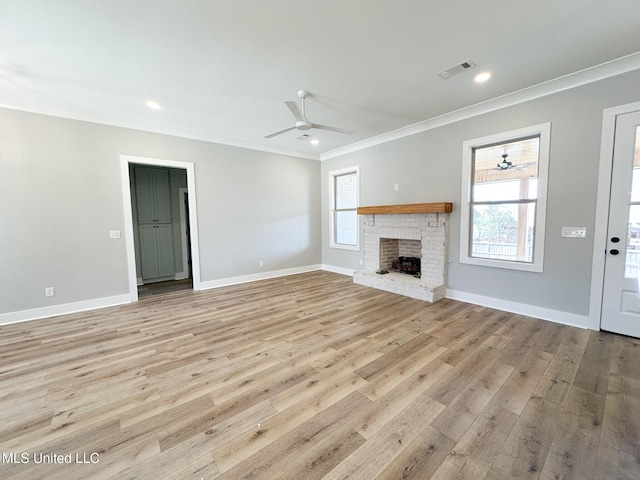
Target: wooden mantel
(440,207)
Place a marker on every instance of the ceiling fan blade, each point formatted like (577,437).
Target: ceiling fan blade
(294,109)
(331,129)
(284,130)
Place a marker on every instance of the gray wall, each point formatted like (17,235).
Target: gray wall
(427,167)
(61,193)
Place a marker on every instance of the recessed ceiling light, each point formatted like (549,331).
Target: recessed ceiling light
(482,77)
(153,105)
(315,141)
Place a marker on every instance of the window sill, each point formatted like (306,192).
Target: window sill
(507,264)
(345,247)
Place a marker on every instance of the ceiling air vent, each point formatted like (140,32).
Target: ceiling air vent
(456,69)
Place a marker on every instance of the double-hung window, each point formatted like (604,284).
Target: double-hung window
(504,199)
(343,191)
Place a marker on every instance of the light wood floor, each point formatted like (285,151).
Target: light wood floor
(311,376)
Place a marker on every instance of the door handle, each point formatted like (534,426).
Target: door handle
(614,251)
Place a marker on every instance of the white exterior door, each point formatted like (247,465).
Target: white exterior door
(621,298)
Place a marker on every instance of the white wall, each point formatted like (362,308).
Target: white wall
(427,168)
(61,194)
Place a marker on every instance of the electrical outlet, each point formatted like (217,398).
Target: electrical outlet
(395,187)
(261,263)
(114,233)
(49,292)
(362,261)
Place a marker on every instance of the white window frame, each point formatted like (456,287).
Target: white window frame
(544,131)
(332,207)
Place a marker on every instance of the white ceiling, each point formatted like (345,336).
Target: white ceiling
(222,69)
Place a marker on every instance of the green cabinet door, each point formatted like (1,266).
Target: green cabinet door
(162,195)
(153,203)
(164,247)
(148,252)
(144,195)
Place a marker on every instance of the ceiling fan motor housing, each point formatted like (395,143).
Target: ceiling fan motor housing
(301,119)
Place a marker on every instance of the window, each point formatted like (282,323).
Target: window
(343,189)
(504,199)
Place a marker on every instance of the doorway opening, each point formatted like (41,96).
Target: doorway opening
(161,235)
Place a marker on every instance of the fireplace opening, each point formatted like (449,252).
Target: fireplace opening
(401,255)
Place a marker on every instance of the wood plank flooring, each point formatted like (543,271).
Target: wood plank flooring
(310,377)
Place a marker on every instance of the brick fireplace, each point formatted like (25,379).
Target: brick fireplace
(417,230)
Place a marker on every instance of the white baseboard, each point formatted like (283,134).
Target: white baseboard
(93,304)
(63,309)
(342,271)
(557,316)
(571,319)
(225,282)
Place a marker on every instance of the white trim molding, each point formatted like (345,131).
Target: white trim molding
(63,309)
(341,270)
(607,141)
(556,316)
(332,207)
(603,71)
(226,282)
(183,236)
(125,160)
(544,132)
(153,127)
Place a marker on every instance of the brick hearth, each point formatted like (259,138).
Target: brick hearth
(430,229)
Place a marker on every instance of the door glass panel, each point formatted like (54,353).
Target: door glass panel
(635,182)
(632,260)
(632,257)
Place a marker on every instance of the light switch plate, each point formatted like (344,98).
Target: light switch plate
(574,232)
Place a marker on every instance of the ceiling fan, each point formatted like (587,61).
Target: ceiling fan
(505,164)
(301,120)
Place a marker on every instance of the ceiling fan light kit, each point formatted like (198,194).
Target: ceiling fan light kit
(301,119)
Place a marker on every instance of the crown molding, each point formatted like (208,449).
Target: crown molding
(583,77)
(151,127)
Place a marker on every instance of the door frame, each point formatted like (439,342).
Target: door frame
(125,161)
(607,142)
(183,234)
